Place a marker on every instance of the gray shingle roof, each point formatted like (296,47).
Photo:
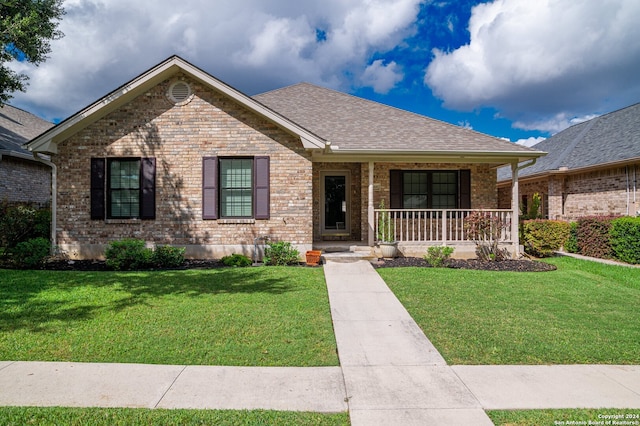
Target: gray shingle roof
(609,138)
(353,123)
(18,127)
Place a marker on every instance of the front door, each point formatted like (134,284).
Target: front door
(335,211)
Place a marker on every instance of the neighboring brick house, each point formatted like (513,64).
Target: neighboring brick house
(591,168)
(176,156)
(23,179)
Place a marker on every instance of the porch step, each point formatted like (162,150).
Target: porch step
(344,251)
(347,256)
(344,254)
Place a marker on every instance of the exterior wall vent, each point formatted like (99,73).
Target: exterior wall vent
(179,93)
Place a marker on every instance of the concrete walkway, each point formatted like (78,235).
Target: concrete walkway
(595,259)
(390,374)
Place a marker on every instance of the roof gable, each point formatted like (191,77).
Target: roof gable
(47,142)
(608,139)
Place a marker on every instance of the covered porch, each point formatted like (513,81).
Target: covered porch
(357,212)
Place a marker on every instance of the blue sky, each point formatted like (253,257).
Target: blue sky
(517,69)
(441,25)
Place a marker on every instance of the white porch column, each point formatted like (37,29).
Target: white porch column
(515,209)
(370,208)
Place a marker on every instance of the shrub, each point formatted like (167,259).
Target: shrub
(593,236)
(128,254)
(485,230)
(236,260)
(168,256)
(281,253)
(571,245)
(22,222)
(543,237)
(625,239)
(31,253)
(438,255)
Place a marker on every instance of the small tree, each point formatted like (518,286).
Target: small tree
(485,230)
(535,207)
(27,27)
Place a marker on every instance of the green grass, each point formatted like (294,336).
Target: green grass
(128,416)
(264,316)
(565,417)
(585,312)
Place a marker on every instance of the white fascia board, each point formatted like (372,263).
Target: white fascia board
(427,156)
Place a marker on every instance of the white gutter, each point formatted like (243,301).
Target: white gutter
(54,198)
(15,154)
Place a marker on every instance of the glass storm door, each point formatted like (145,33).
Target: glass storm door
(335,218)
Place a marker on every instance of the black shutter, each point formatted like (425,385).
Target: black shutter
(98,168)
(464,189)
(261,196)
(148,188)
(395,189)
(210,188)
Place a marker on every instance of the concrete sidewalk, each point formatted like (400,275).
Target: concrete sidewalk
(390,374)
(70,384)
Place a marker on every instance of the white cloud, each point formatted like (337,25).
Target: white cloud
(530,59)
(108,42)
(382,77)
(553,124)
(465,124)
(529,141)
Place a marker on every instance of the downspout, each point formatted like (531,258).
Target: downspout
(515,205)
(54,198)
(626,169)
(635,200)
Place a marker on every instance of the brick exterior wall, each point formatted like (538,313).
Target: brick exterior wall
(608,191)
(601,192)
(23,181)
(179,136)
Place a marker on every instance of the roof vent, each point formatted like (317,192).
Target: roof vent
(179,93)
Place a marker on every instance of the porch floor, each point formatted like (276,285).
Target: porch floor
(340,246)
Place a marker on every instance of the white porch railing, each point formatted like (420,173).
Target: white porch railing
(444,226)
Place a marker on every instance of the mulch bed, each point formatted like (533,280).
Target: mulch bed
(100,265)
(523,265)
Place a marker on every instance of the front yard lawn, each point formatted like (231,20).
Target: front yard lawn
(604,416)
(583,313)
(262,316)
(132,416)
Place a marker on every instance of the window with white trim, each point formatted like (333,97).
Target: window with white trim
(236,187)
